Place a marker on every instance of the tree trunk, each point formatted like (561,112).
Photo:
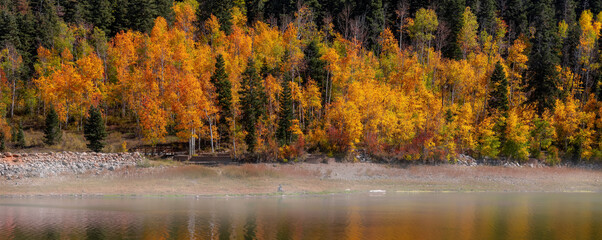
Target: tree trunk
(210,131)
(234,137)
(12,105)
(191,143)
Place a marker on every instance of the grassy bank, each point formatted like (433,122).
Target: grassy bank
(168,179)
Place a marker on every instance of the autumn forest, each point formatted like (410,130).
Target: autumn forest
(271,80)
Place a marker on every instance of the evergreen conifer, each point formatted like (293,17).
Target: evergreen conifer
(20,137)
(286,113)
(223,88)
(94,130)
(52,132)
(499,96)
(252,101)
(542,74)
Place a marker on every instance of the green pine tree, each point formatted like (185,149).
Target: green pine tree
(223,88)
(375,17)
(120,13)
(542,75)
(252,97)
(516,17)
(286,113)
(9,28)
(13,134)
(2,141)
(141,15)
(164,8)
(486,16)
(75,11)
(315,67)
(220,9)
(29,43)
(499,95)
(255,10)
(94,130)
(451,13)
(100,14)
(279,8)
(48,22)
(20,137)
(52,132)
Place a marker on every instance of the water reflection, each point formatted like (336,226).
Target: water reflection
(393,216)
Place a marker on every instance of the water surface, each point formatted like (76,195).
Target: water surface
(356,216)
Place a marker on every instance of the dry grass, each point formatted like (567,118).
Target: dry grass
(34,138)
(188,172)
(71,142)
(296,171)
(34,141)
(249,171)
(75,142)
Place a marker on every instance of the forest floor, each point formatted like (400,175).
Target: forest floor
(168,179)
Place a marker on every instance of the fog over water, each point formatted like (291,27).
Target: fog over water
(354,216)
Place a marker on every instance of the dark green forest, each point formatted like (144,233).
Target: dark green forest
(28,24)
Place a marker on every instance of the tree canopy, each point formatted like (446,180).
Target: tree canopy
(400,80)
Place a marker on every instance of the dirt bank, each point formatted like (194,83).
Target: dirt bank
(302,178)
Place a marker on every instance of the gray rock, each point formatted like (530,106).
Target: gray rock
(52,164)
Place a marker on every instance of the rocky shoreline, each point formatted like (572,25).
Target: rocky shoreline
(43,165)
(15,166)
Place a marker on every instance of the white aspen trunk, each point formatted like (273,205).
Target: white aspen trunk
(210,131)
(67,118)
(234,137)
(12,105)
(328,87)
(400,32)
(191,143)
(123,109)
(293,90)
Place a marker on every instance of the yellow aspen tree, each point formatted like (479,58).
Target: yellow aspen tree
(422,30)
(488,141)
(331,57)
(516,134)
(268,46)
(73,85)
(5,132)
(586,50)
(11,63)
(574,128)
(467,38)
(517,62)
(124,57)
(185,16)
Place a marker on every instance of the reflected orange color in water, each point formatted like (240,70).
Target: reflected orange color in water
(389,216)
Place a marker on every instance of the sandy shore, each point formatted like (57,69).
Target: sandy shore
(304,178)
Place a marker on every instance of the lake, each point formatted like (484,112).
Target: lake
(350,216)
